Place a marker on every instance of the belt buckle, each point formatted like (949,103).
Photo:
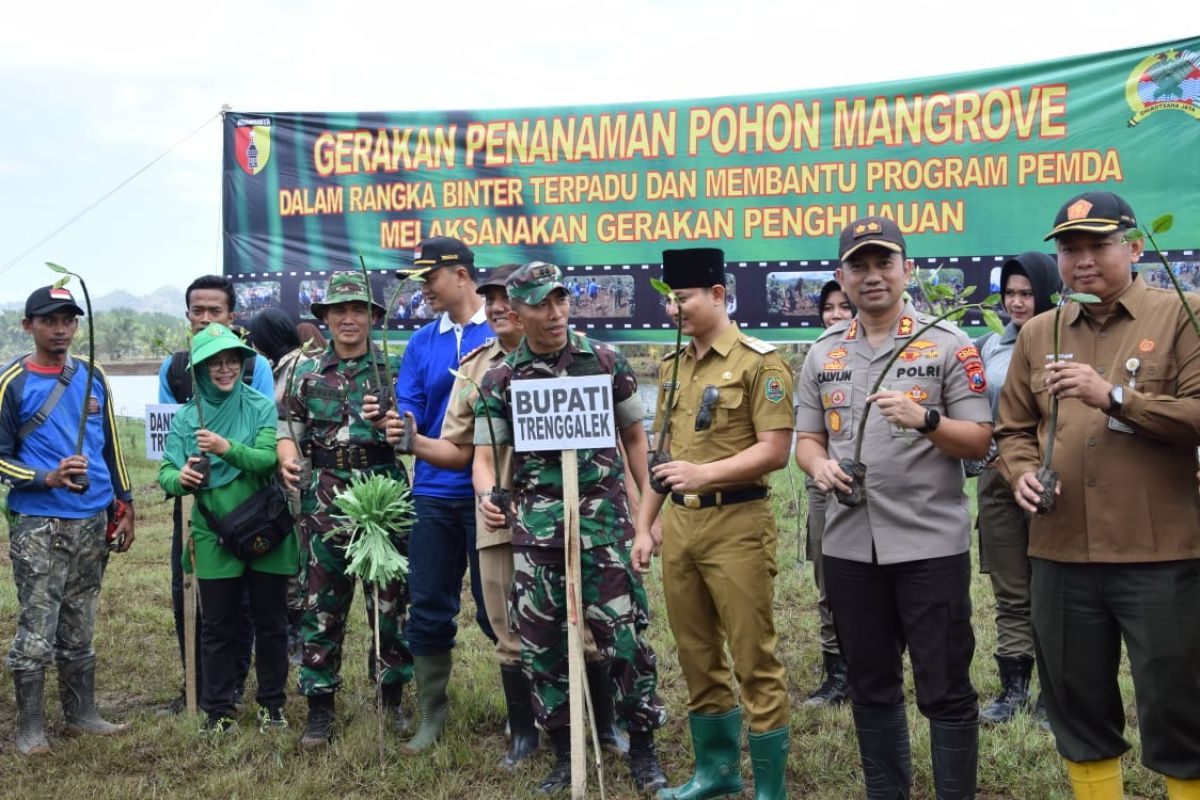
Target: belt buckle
(691,501)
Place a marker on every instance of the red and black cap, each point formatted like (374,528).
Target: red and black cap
(51,299)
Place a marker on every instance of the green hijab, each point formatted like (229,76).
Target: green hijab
(238,414)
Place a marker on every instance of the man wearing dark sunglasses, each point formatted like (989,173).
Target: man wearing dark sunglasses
(731,427)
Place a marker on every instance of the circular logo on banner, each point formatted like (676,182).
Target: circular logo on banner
(1167,81)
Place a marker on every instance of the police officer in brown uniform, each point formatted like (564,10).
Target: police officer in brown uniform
(730,428)
(897,567)
(1117,559)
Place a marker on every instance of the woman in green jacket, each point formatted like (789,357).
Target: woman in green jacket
(238,436)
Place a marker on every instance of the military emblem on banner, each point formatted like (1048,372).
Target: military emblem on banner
(1167,81)
(252,144)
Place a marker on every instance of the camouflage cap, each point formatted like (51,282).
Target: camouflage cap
(346,287)
(533,282)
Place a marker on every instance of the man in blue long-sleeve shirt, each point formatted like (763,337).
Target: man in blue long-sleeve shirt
(442,542)
(57,521)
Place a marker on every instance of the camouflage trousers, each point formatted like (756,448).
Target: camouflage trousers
(323,625)
(616,613)
(57,567)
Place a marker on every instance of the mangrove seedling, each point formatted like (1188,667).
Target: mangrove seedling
(203,463)
(500,497)
(375,509)
(1162,225)
(381,383)
(659,455)
(1046,475)
(854,467)
(82,482)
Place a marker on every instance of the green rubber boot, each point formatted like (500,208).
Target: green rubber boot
(717,740)
(768,755)
(431,673)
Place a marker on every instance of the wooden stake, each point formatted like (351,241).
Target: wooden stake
(190,690)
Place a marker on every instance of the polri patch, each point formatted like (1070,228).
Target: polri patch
(968,352)
(906,327)
(773,389)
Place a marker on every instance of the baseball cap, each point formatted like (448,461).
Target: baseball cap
(496,278)
(533,282)
(1093,212)
(879,231)
(435,252)
(50,299)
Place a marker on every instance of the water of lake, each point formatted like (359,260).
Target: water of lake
(131,394)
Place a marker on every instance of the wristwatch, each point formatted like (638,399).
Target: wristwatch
(932,420)
(1116,397)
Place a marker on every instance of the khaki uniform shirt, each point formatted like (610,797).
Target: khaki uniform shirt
(1126,496)
(459,427)
(916,507)
(754,388)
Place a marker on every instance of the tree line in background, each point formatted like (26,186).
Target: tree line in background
(121,334)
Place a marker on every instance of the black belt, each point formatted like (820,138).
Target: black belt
(719,498)
(352,457)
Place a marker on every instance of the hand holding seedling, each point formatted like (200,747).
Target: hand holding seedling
(63,476)
(898,408)
(1074,379)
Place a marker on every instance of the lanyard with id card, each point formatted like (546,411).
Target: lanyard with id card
(1132,366)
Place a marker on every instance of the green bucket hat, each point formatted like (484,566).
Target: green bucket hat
(346,287)
(533,282)
(214,339)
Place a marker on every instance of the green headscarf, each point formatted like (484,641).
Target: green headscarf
(238,414)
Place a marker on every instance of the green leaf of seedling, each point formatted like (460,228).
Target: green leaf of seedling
(1083,297)
(61,282)
(992,300)
(957,315)
(1055,298)
(661,287)
(968,291)
(992,320)
(1163,223)
(458,374)
(1134,235)
(57,268)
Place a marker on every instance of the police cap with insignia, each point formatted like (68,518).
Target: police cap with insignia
(50,299)
(694,267)
(346,287)
(1093,212)
(437,252)
(877,231)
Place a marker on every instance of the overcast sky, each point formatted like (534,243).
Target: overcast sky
(92,92)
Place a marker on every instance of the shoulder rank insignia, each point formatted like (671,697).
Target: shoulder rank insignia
(758,345)
(905,328)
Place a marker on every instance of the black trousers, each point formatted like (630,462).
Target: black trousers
(246,635)
(925,605)
(219,646)
(1081,614)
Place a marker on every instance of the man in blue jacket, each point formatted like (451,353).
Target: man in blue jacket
(57,522)
(442,542)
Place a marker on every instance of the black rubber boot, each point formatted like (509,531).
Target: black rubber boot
(29,687)
(318,730)
(835,689)
(1014,690)
(886,754)
(648,775)
(523,733)
(393,708)
(612,738)
(77,691)
(560,775)
(954,747)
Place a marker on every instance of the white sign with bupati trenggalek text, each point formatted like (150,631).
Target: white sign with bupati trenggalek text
(563,413)
(158,425)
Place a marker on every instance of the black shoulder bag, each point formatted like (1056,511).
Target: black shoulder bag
(256,526)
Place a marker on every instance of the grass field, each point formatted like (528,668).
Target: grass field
(157,757)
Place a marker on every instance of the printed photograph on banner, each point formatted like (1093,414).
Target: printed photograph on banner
(311,291)
(606,296)
(943,275)
(254,297)
(403,297)
(796,294)
(1188,273)
(731,303)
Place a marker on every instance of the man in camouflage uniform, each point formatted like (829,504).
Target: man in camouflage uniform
(613,596)
(322,417)
(58,507)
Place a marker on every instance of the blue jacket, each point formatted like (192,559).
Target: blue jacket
(24,463)
(423,387)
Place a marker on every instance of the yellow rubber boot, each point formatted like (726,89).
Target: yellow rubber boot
(1183,788)
(1096,780)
